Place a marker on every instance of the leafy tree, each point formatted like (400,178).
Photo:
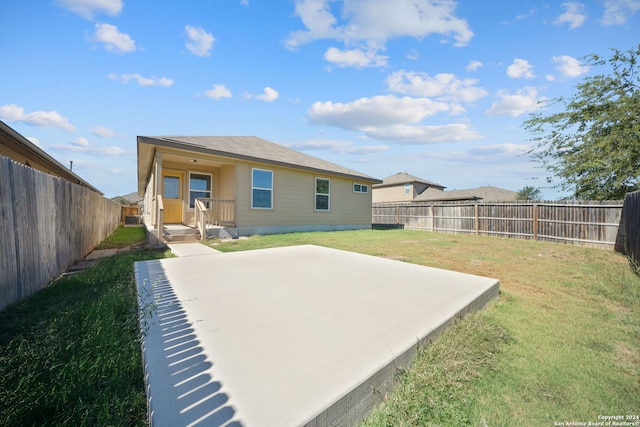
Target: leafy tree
(594,144)
(529,193)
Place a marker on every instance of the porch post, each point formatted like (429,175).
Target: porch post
(157,190)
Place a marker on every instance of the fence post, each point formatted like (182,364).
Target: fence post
(475,210)
(433,220)
(535,221)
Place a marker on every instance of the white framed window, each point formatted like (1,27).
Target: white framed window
(261,189)
(360,188)
(323,196)
(407,188)
(199,186)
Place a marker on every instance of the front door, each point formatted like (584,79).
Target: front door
(172,197)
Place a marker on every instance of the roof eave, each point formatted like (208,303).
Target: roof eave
(204,150)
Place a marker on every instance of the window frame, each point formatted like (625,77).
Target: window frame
(253,187)
(407,188)
(362,187)
(316,194)
(200,191)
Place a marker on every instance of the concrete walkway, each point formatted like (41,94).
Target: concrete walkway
(191,249)
(291,336)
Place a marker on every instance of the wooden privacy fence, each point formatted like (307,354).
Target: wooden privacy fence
(46,224)
(590,223)
(631,220)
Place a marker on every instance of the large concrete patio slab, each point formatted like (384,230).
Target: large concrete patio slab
(291,336)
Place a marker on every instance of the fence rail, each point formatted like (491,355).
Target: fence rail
(46,224)
(595,224)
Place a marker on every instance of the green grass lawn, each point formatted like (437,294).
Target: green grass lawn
(561,345)
(124,236)
(70,354)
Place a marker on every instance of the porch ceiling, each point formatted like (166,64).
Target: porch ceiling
(146,153)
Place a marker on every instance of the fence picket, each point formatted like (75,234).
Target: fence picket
(46,224)
(586,223)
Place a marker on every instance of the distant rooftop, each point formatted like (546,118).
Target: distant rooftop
(405,178)
(487,193)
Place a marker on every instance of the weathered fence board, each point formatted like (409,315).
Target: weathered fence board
(46,224)
(590,223)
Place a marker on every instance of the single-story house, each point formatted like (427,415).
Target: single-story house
(485,193)
(248,184)
(405,188)
(401,187)
(21,150)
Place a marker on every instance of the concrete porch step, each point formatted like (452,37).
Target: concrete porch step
(179,233)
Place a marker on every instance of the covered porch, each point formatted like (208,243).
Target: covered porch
(190,189)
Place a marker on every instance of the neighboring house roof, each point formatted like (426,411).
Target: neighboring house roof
(402,178)
(132,198)
(20,149)
(485,193)
(248,148)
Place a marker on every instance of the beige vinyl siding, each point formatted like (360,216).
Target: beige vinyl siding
(294,200)
(226,183)
(392,194)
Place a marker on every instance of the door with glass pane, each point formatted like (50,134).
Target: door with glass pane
(172,197)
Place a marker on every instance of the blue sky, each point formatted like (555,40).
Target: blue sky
(437,88)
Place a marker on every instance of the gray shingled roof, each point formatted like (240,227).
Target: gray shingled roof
(404,178)
(485,193)
(254,149)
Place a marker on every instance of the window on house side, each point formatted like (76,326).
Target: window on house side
(323,202)
(199,186)
(261,189)
(407,189)
(360,188)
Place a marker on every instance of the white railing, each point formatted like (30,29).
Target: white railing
(214,212)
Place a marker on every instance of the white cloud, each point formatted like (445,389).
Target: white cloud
(500,150)
(616,12)
(413,55)
(218,92)
(142,81)
(521,102)
(113,39)
(201,42)
(82,146)
(378,111)
(444,86)
(80,142)
(416,134)
(474,66)
(36,141)
(104,132)
(574,15)
(338,147)
(392,119)
(88,8)
(569,66)
(244,2)
(43,119)
(376,21)
(355,58)
(269,95)
(520,69)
